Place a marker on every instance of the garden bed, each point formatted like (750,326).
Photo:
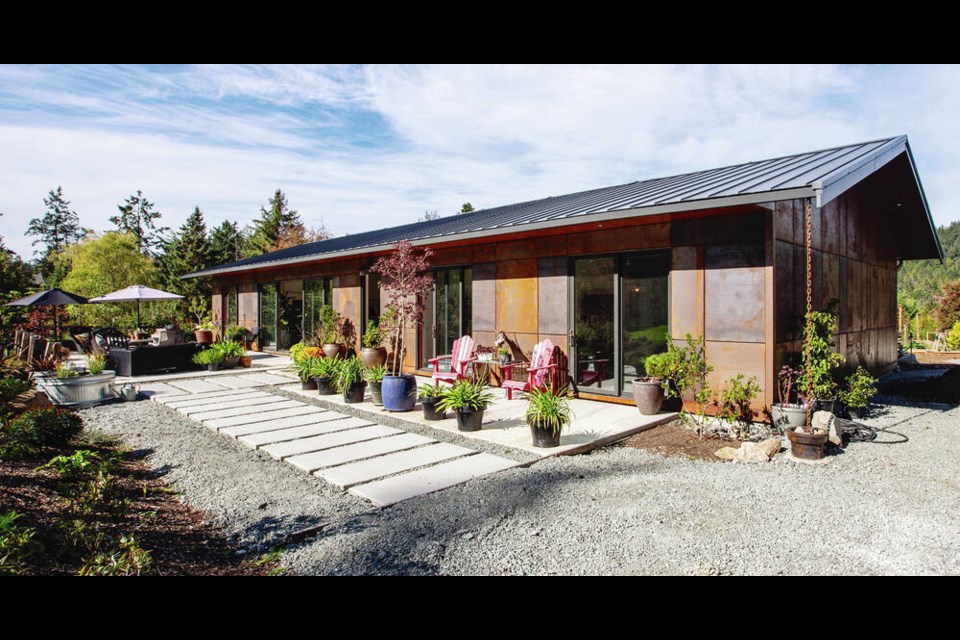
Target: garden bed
(673,440)
(178,539)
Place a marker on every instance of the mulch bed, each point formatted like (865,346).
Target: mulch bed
(178,538)
(672,440)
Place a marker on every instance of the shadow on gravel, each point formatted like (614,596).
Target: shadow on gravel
(270,531)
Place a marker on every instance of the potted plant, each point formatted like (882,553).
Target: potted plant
(468,400)
(330,332)
(406,283)
(816,383)
(66,386)
(374,376)
(302,358)
(547,414)
(349,380)
(787,415)
(230,352)
(322,371)
(373,352)
(648,390)
(96,363)
(503,354)
(858,389)
(236,333)
(430,395)
(209,358)
(203,331)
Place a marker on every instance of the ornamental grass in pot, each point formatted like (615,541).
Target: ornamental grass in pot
(430,395)
(349,380)
(322,371)
(209,358)
(788,415)
(230,352)
(374,376)
(547,414)
(468,400)
(303,359)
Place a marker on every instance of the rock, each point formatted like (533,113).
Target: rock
(750,452)
(825,420)
(726,453)
(771,447)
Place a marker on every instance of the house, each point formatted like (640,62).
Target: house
(607,274)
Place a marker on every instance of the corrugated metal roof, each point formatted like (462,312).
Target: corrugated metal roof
(810,174)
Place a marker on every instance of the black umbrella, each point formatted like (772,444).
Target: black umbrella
(49,298)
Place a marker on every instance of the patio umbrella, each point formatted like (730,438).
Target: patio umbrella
(50,298)
(137,293)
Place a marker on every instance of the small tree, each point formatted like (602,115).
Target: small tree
(137,216)
(226,243)
(58,228)
(820,359)
(947,311)
(405,281)
(466,207)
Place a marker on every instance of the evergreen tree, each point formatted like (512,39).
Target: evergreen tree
(186,252)
(466,207)
(226,243)
(15,274)
(138,217)
(276,220)
(58,228)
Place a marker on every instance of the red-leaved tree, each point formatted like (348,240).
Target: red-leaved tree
(405,280)
(947,311)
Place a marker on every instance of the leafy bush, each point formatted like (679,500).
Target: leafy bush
(953,337)
(296,350)
(228,349)
(372,335)
(47,427)
(129,559)
(820,359)
(16,544)
(735,399)
(549,408)
(10,388)
(323,367)
(860,387)
(659,365)
(99,494)
(74,467)
(431,391)
(207,357)
(330,325)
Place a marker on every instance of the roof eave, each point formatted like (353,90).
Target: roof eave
(672,208)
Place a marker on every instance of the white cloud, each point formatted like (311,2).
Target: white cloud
(371,147)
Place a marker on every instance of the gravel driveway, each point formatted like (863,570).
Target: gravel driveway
(872,510)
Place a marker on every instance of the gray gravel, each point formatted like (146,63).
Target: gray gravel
(871,510)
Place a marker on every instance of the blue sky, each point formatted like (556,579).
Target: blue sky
(359,147)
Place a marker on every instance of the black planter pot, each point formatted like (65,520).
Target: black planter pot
(825,405)
(375,393)
(308,385)
(354,393)
(325,386)
(469,420)
(430,409)
(544,437)
(213,367)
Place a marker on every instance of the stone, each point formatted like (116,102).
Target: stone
(825,420)
(771,447)
(750,452)
(726,453)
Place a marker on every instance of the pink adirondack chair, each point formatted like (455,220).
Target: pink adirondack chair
(460,359)
(541,364)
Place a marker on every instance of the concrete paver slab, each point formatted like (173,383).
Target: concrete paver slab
(310,462)
(226,411)
(256,440)
(347,475)
(283,450)
(235,421)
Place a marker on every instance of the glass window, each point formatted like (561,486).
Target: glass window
(233,306)
(316,293)
(268,316)
(643,311)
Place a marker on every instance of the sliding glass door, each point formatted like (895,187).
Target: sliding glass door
(316,293)
(448,313)
(620,316)
(268,316)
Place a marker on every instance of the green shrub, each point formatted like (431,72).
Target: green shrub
(10,388)
(659,365)
(96,363)
(100,494)
(465,395)
(375,373)
(47,427)
(207,357)
(820,359)
(953,337)
(350,371)
(73,467)
(860,387)
(16,544)
(296,350)
(735,399)
(228,349)
(64,370)
(431,391)
(324,367)
(129,559)
(372,335)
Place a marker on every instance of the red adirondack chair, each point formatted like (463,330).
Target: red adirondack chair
(460,361)
(541,364)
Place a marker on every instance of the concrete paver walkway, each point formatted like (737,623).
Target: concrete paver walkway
(382,464)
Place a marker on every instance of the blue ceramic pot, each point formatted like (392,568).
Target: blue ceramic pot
(399,393)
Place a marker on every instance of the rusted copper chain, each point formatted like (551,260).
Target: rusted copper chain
(806,332)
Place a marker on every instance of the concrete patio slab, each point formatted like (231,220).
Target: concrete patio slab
(348,475)
(262,363)
(196,386)
(594,423)
(257,440)
(156,389)
(227,411)
(269,378)
(282,450)
(190,402)
(395,489)
(262,416)
(239,382)
(311,462)
(283,423)
(186,396)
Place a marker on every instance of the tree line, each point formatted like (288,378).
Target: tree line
(928,292)
(140,250)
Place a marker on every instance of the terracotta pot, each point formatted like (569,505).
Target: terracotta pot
(246,362)
(371,357)
(203,337)
(648,395)
(807,446)
(332,350)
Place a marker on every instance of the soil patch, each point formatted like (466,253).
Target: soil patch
(673,440)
